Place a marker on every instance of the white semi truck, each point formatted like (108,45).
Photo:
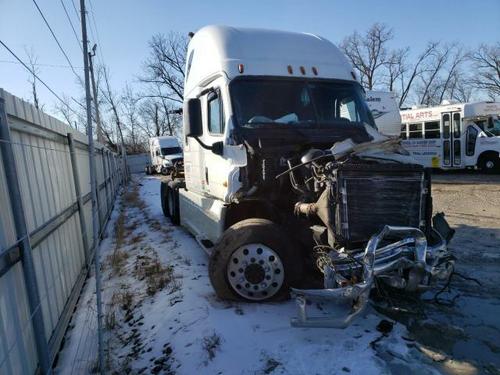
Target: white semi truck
(288,184)
(165,153)
(454,135)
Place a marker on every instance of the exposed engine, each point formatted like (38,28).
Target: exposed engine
(374,208)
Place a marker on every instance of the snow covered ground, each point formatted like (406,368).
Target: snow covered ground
(162,315)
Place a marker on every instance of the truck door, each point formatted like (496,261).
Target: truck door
(452,139)
(214,166)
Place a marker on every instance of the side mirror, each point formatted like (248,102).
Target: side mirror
(192,118)
(218,148)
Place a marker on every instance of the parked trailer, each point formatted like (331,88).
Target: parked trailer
(165,153)
(454,136)
(285,177)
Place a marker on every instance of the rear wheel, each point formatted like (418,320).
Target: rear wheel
(164,198)
(173,203)
(254,260)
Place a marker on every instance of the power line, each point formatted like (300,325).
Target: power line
(37,64)
(57,41)
(99,45)
(72,27)
(37,77)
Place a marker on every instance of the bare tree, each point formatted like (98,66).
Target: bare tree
(412,72)
(368,53)
(460,88)
(112,101)
(33,64)
(70,116)
(164,68)
(486,64)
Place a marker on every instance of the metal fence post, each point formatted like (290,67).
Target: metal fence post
(79,200)
(24,242)
(106,182)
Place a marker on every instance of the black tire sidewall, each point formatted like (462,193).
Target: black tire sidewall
(164,199)
(485,169)
(254,231)
(175,216)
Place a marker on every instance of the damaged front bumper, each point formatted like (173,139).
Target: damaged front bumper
(408,264)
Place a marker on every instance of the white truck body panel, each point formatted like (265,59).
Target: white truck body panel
(385,112)
(440,137)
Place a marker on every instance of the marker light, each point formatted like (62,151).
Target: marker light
(303,70)
(290,70)
(315,71)
(241,68)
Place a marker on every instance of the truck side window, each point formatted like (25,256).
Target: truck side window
(215,120)
(415,130)
(431,130)
(470,147)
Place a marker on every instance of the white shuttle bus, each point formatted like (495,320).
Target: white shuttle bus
(454,136)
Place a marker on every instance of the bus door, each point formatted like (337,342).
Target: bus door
(452,139)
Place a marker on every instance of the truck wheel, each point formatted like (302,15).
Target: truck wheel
(254,260)
(489,164)
(173,204)
(164,198)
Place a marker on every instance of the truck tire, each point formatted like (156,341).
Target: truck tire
(489,163)
(164,201)
(173,202)
(255,260)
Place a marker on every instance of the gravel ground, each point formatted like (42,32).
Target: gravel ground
(465,325)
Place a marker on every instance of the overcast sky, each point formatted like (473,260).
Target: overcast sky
(124,28)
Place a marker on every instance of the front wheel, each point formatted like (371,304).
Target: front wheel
(255,260)
(489,164)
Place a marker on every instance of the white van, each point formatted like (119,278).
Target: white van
(385,111)
(454,136)
(165,152)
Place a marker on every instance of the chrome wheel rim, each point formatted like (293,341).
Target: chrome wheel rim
(490,164)
(255,272)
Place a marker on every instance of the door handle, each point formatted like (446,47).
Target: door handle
(206,174)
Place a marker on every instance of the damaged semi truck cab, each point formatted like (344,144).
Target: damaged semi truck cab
(288,184)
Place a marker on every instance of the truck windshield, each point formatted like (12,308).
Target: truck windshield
(171,150)
(298,102)
(491,126)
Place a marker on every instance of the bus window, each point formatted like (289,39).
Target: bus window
(431,130)
(470,146)
(456,125)
(415,131)
(403,131)
(446,126)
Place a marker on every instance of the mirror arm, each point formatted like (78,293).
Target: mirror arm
(206,147)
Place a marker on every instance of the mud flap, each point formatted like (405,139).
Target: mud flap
(442,227)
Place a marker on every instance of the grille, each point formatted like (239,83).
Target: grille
(374,196)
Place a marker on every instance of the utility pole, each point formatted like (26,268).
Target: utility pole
(93,188)
(100,137)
